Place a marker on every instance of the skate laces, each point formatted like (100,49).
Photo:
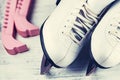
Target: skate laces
(84,19)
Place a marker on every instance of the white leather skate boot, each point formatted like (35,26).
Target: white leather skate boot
(105,40)
(65,32)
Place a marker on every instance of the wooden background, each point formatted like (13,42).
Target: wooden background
(26,66)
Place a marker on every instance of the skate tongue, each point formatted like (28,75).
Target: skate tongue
(100,5)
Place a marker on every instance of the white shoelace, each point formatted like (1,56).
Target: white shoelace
(85,19)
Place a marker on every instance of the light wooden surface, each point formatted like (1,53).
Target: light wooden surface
(26,66)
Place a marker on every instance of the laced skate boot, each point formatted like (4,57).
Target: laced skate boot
(65,32)
(105,40)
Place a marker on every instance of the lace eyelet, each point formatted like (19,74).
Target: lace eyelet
(81,22)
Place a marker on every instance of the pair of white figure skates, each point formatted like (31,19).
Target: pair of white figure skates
(71,25)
